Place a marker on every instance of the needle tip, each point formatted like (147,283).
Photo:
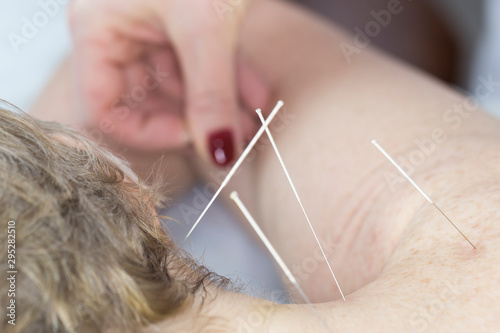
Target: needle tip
(374,141)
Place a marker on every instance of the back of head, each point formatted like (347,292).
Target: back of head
(86,245)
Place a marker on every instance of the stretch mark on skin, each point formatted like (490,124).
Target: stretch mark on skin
(273,143)
(236,166)
(375,143)
(234,196)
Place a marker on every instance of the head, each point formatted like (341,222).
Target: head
(90,253)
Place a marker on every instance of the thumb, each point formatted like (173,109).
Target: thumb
(206,53)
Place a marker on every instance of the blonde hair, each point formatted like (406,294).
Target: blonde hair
(90,253)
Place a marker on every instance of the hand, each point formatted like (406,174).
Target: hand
(156,75)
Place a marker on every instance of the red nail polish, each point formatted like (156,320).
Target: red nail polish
(221,146)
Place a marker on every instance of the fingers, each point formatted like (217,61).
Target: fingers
(132,103)
(172,86)
(151,132)
(148,116)
(204,42)
(99,55)
(125,91)
(99,82)
(211,100)
(206,51)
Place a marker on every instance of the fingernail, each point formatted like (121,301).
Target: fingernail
(221,146)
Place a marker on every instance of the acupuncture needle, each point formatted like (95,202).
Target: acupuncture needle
(273,143)
(234,196)
(375,143)
(236,166)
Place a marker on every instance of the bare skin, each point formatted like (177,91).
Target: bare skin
(403,267)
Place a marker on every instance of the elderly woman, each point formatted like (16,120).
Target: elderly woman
(93,258)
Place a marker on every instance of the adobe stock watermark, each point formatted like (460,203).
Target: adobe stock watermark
(224,7)
(423,318)
(425,148)
(453,118)
(11,272)
(256,320)
(363,37)
(31,26)
(202,197)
